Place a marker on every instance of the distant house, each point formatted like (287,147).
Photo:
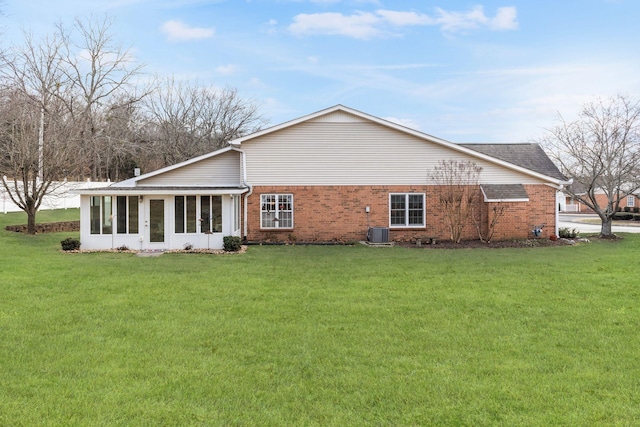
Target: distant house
(629,202)
(329,176)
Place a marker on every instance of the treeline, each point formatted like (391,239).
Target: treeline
(75,104)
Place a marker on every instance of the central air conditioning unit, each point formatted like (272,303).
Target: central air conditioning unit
(378,235)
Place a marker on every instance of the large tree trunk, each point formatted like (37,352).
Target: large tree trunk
(31,212)
(605,230)
(31,222)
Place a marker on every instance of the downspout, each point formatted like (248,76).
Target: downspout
(245,221)
(561,187)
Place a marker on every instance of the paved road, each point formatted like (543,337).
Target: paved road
(575,221)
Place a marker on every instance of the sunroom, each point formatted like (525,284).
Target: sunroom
(151,218)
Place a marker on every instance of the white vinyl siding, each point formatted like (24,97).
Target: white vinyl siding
(221,170)
(357,153)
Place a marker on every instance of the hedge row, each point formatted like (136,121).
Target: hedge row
(626,216)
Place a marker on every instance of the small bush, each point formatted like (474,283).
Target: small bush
(636,209)
(568,233)
(622,216)
(636,216)
(627,209)
(231,243)
(70,244)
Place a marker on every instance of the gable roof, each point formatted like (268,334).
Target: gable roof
(529,159)
(131,182)
(526,155)
(504,193)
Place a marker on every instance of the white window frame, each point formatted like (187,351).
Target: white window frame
(631,201)
(129,224)
(101,215)
(266,208)
(186,219)
(406,223)
(207,224)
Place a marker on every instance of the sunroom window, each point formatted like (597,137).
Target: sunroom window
(100,215)
(127,214)
(211,214)
(185,214)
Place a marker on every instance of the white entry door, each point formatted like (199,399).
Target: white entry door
(156,225)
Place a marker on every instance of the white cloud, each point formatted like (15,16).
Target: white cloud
(255,82)
(179,31)
(383,22)
(227,70)
(402,19)
(404,122)
(361,25)
(506,19)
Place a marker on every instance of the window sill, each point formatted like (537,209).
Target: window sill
(276,229)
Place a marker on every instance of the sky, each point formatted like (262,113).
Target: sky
(465,71)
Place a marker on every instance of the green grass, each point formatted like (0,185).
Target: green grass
(326,336)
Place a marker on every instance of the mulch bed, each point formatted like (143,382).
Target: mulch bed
(475,244)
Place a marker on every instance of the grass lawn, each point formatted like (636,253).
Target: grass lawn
(319,336)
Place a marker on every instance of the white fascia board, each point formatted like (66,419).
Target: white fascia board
(132,182)
(134,191)
(504,200)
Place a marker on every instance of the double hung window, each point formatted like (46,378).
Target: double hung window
(276,210)
(406,210)
(631,201)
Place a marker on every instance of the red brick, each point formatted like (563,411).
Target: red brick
(337,213)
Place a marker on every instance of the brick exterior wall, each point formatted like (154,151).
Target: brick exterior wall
(337,213)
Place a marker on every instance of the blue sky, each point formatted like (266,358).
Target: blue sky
(486,71)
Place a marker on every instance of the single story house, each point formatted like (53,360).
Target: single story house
(330,176)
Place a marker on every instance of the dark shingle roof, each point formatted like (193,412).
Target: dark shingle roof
(494,192)
(527,155)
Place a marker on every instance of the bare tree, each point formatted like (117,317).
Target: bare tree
(187,120)
(486,218)
(600,151)
(101,74)
(458,182)
(33,127)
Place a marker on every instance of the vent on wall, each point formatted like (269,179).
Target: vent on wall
(378,235)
